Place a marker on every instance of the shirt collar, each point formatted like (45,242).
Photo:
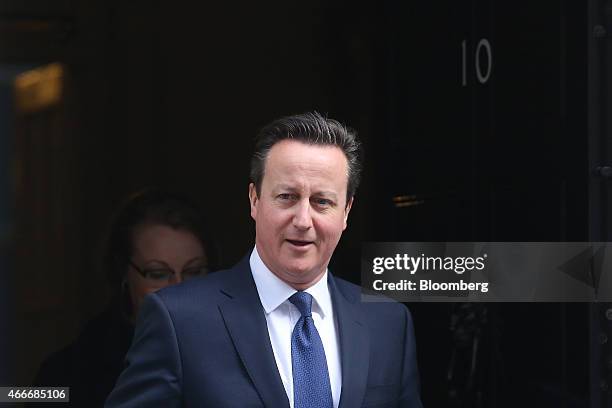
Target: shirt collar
(273,291)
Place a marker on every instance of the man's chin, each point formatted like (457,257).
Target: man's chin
(303,276)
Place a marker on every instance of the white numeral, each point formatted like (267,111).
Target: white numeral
(483,47)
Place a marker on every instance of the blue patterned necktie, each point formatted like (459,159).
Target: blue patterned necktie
(311,386)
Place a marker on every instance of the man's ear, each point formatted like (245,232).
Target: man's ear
(347,209)
(253,200)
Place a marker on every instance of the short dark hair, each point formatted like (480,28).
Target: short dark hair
(310,128)
(150,206)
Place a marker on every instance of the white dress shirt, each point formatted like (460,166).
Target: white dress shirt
(282,315)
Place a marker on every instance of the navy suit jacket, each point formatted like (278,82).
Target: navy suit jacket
(205,343)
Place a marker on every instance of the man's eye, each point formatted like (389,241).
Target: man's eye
(322,202)
(286,196)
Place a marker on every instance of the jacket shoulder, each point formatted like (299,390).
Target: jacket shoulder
(375,307)
(201,291)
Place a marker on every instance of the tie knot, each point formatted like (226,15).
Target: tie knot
(303,302)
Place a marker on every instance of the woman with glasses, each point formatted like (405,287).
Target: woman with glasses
(157,239)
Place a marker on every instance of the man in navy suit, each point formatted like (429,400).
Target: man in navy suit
(278,330)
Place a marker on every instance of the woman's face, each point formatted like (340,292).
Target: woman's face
(165,256)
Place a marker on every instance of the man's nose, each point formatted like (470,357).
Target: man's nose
(302,219)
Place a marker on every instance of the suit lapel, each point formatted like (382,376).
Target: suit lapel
(354,348)
(246,323)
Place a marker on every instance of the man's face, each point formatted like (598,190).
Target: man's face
(301,211)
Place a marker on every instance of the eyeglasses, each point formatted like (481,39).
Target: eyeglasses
(162,274)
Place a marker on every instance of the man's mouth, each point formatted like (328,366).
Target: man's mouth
(299,243)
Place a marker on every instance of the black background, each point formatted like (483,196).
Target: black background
(171,94)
